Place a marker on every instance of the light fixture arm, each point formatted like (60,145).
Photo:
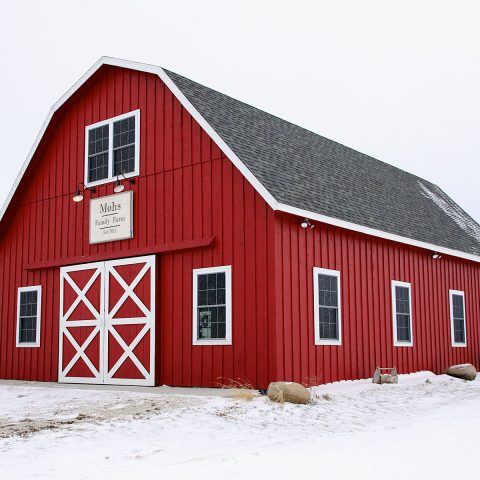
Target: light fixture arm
(78,197)
(131,180)
(91,189)
(118,186)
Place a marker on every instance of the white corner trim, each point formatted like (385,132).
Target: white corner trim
(38,289)
(263,192)
(324,341)
(460,293)
(398,343)
(110,121)
(375,233)
(227,269)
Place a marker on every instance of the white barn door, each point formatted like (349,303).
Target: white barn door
(81,323)
(107,322)
(130,321)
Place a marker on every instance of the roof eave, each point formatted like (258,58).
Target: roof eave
(376,233)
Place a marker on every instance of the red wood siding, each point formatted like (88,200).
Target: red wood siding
(367,265)
(188,191)
(194,209)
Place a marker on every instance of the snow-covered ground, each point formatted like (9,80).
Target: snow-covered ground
(424,428)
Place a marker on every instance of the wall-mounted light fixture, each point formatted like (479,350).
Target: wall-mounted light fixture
(119,187)
(436,256)
(78,196)
(306,223)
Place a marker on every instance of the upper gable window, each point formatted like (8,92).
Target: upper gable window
(112,148)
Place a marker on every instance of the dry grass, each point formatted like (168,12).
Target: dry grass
(312,381)
(241,389)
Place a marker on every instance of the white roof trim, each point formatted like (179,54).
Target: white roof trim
(144,67)
(376,233)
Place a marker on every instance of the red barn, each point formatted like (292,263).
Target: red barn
(161,232)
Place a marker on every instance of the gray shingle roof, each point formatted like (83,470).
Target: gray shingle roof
(305,170)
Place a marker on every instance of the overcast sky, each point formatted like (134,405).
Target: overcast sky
(397,80)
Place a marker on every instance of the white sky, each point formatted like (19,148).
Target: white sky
(397,80)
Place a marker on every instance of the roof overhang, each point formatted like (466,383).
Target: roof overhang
(154,69)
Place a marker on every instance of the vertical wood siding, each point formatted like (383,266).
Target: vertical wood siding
(367,266)
(187,190)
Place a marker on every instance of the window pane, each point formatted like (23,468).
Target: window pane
(459,330)
(328,290)
(212,281)
(212,296)
(211,312)
(221,280)
(124,146)
(202,282)
(328,307)
(328,318)
(403,328)
(402,308)
(27,328)
(98,153)
(220,296)
(202,297)
(124,160)
(458,319)
(402,300)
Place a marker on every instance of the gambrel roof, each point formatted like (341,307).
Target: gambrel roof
(303,173)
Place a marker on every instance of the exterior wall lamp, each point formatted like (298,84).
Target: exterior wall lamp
(436,256)
(119,187)
(306,223)
(78,196)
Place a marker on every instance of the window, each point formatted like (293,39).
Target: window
(457,318)
(112,148)
(402,314)
(212,306)
(327,313)
(29,307)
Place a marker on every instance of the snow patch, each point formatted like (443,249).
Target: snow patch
(349,430)
(467,224)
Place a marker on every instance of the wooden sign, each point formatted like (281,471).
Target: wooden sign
(111,217)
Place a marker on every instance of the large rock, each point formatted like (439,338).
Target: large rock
(466,371)
(288,392)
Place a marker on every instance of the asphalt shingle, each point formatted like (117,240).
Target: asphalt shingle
(305,170)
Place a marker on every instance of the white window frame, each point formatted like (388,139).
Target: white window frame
(452,333)
(398,343)
(227,269)
(326,341)
(38,289)
(110,122)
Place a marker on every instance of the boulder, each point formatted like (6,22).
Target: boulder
(466,371)
(288,392)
